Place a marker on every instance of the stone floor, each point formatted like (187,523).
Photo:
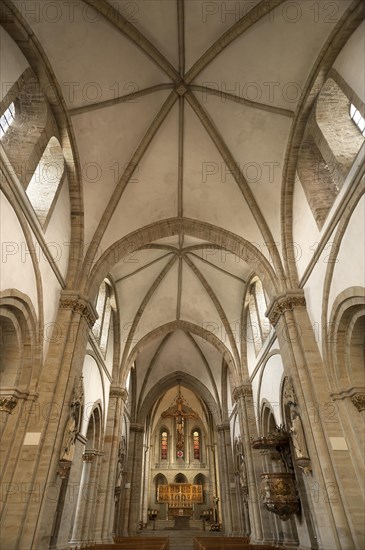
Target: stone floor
(179,539)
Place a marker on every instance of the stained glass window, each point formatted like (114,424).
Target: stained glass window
(196,445)
(163,445)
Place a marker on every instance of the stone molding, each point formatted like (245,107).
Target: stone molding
(118,391)
(242,391)
(9,398)
(8,403)
(78,304)
(63,468)
(285,302)
(135,427)
(356,394)
(224,426)
(89,456)
(358,400)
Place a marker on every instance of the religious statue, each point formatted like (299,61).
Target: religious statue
(177,412)
(243,476)
(120,462)
(73,424)
(300,447)
(298,437)
(68,445)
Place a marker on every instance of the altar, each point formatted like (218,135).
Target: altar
(180,498)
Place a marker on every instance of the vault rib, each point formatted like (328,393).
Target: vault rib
(143,267)
(254,15)
(123,182)
(242,281)
(240,180)
(121,99)
(181,36)
(150,367)
(138,39)
(186,326)
(143,306)
(217,306)
(243,101)
(180,160)
(179,290)
(209,370)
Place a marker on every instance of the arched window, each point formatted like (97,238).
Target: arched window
(196,444)
(333,136)
(43,186)
(6,119)
(164,445)
(358,119)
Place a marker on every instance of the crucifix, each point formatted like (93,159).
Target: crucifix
(177,412)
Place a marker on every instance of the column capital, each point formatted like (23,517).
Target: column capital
(89,456)
(242,391)
(8,403)
(135,427)
(285,302)
(223,426)
(71,299)
(358,400)
(118,391)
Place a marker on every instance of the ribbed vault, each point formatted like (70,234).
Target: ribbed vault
(182,117)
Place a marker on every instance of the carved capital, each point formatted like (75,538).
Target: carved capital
(225,426)
(8,403)
(358,400)
(89,456)
(117,391)
(63,468)
(135,427)
(242,391)
(285,302)
(78,304)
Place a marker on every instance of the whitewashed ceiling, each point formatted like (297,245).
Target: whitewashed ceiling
(185,90)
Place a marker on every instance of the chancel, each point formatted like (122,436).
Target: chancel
(182,295)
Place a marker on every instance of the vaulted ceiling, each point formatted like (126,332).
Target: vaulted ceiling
(182,111)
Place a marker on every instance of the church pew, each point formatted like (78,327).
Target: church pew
(227,543)
(135,543)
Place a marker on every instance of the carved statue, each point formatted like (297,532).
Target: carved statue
(73,424)
(120,462)
(68,445)
(243,476)
(299,443)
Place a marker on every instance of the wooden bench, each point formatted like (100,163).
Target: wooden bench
(135,543)
(227,543)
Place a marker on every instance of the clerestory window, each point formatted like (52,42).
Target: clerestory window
(357,118)
(7,119)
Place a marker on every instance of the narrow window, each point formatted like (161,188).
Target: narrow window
(6,119)
(359,120)
(196,445)
(164,446)
(43,186)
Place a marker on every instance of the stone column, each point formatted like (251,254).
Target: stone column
(243,397)
(106,501)
(303,364)
(228,485)
(146,484)
(130,511)
(36,463)
(92,498)
(83,500)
